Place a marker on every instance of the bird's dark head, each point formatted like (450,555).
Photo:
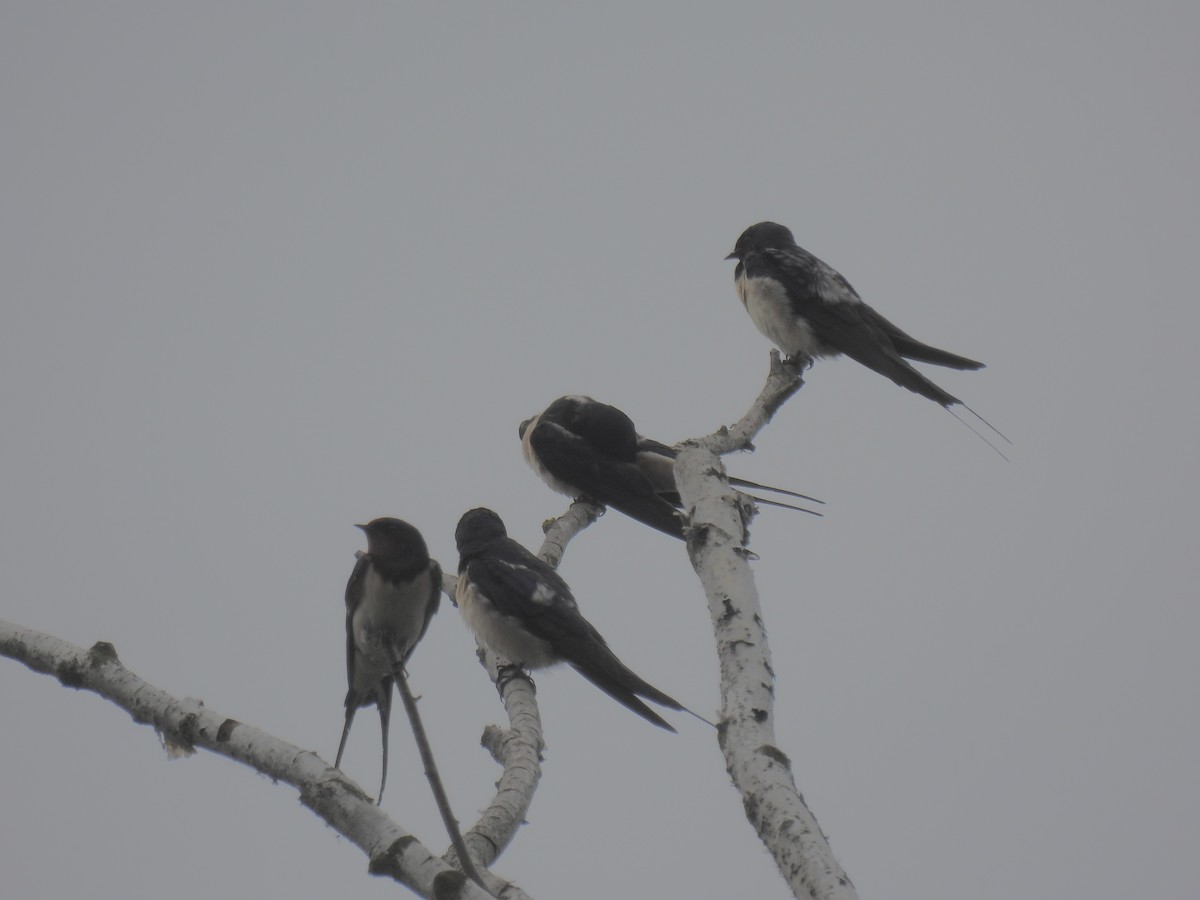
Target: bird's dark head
(392,538)
(476,528)
(562,411)
(566,410)
(763,236)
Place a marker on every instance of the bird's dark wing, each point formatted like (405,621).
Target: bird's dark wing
(620,690)
(435,598)
(354,587)
(822,297)
(910,348)
(519,584)
(608,430)
(618,484)
(649,445)
(354,699)
(840,319)
(809,281)
(354,593)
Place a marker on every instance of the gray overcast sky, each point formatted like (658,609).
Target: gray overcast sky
(271,269)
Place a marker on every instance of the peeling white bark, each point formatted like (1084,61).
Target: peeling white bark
(187,724)
(717,539)
(518,749)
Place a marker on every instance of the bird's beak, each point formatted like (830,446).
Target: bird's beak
(524,426)
(732,255)
(363,527)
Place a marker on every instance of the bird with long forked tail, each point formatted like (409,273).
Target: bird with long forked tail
(522,609)
(809,310)
(392,594)
(583,448)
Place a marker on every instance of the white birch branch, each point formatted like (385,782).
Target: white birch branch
(560,531)
(187,724)
(717,538)
(517,748)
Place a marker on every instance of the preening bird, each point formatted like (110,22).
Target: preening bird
(392,594)
(581,447)
(522,609)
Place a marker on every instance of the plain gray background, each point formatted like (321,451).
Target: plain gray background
(272,269)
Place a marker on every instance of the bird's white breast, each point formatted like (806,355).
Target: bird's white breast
(766,301)
(387,622)
(502,634)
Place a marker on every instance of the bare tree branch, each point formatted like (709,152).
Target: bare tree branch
(717,539)
(517,748)
(463,855)
(560,531)
(187,724)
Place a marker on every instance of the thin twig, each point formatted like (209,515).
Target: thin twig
(435,780)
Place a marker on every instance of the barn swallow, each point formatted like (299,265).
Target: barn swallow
(522,609)
(808,310)
(392,594)
(581,447)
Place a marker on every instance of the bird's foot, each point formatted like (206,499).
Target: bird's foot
(510,672)
(601,509)
(800,362)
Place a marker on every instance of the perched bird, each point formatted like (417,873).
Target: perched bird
(392,594)
(523,610)
(809,310)
(581,447)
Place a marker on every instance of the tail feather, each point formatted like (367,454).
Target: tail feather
(779,503)
(595,661)
(651,510)
(350,710)
(385,711)
(627,698)
(742,482)
(906,376)
(910,348)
